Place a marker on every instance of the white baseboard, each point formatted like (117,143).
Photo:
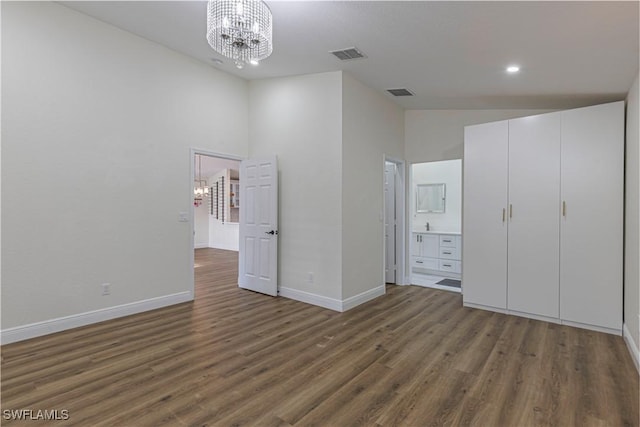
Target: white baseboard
(484,307)
(534,316)
(331,303)
(25,332)
(309,298)
(632,346)
(612,331)
(363,297)
(230,247)
(200,245)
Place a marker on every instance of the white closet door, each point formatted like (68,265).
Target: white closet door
(591,227)
(534,221)
(484,226)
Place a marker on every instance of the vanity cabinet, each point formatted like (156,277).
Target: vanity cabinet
(425,245)
(543,206)
(435,254)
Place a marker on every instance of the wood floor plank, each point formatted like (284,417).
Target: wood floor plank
(413,357)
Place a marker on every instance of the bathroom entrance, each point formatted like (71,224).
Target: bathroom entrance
(436,235)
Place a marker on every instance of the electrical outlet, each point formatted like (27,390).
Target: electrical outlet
(106,289)
(310,277)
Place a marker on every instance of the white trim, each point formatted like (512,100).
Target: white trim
(632,346)
(225,247)
(20,333)
(484,307)
(200,245)
(612,331)
(534,316)
(547,319)
(331,303)
(363,297)
(309,298)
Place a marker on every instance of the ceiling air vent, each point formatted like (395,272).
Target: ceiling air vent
(400,92)
(348,53)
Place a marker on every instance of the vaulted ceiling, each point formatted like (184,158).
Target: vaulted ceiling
(451,55)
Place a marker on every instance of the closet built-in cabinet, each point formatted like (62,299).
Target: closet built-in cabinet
(543,206)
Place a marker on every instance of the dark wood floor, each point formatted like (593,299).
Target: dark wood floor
(413,357)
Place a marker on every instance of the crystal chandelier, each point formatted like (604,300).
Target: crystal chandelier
(240,30)
(199,190)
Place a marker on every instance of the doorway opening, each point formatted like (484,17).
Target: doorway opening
(436,239)
(394,221)
(215,216)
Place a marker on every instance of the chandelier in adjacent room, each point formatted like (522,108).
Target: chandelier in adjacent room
(240,30)
(200,189)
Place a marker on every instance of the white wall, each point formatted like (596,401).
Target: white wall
(300,120)
(632,220)
(439,134)
(373,126)
(224,235)
(448,172)
(108,118)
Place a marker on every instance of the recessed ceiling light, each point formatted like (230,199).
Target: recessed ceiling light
(513,69)
(216,61)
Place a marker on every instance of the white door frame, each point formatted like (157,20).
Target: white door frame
(192,176)
(401,230)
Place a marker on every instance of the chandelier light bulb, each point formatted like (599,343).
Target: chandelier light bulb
(239,8)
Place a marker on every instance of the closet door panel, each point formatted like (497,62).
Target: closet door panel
(591,240)
(534,215)
(484,249)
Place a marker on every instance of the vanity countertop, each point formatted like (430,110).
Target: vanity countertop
(451,233)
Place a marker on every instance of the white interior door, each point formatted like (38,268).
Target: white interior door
(390,223)
(534,220)
(258,258)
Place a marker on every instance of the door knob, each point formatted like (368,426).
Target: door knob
(272,232)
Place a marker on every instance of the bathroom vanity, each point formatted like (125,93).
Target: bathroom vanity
(435,253)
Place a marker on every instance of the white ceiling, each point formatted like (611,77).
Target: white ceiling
(452,54)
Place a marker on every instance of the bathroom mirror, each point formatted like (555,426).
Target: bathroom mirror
(430,198)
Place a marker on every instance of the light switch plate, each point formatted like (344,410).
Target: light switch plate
(183,216)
